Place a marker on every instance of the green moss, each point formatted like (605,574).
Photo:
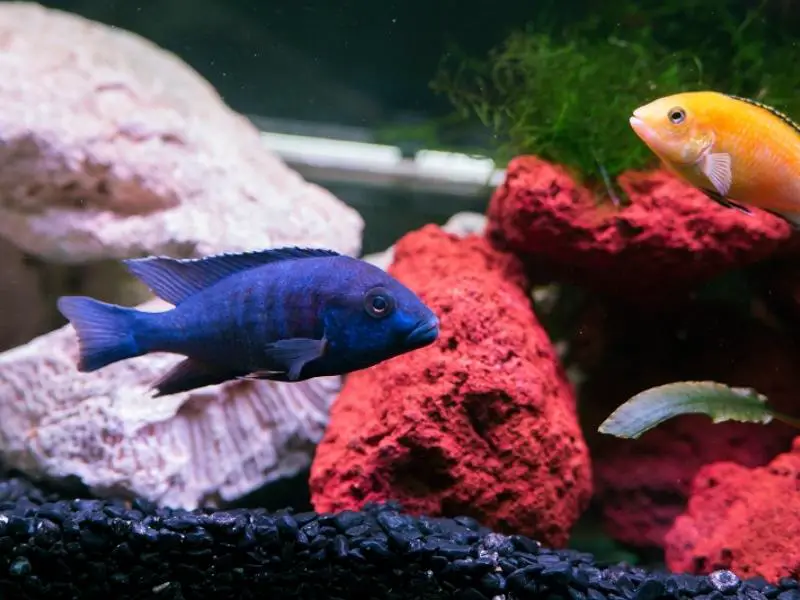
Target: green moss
(567,96)
(568,101)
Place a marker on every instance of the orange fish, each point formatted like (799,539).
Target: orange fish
(739,152)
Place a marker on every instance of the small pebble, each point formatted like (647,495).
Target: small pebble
(790,594)
(724,581)
(650,589)
(20,567)
(788,583)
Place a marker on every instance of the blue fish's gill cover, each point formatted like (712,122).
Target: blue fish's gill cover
(175,279)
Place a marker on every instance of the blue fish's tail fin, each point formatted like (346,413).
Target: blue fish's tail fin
(105,331)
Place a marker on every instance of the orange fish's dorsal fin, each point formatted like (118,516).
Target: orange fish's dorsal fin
(773,111)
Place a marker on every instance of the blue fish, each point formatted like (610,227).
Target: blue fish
(285,314)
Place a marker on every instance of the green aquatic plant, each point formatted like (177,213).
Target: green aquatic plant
(746,48)
(564,89)
(566,101)
(720,402)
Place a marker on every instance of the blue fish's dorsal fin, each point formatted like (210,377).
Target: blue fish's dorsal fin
(175,279)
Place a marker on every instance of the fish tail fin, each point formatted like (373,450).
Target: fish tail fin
(106,332)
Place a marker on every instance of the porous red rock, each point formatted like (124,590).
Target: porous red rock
(746,520)
(642,485)
(670,238)
(481,423)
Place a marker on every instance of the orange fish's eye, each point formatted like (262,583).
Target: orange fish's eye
(378,302)
(676,115)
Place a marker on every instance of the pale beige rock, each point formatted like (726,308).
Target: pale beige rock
(198,448)
(466,223)
(111,147)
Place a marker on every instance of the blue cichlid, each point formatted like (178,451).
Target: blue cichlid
(285,314)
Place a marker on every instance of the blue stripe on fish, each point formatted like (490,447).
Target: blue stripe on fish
(286,314)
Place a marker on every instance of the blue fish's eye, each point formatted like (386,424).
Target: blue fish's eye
(378,302)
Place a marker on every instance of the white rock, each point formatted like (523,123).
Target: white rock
(112,147)
(460,224)
(185,450)
(466,223)
(383,259)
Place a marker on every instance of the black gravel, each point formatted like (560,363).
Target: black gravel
(75,549)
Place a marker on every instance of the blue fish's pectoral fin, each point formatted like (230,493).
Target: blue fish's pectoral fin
(726,202)
(175,279)
(718,168)
(289,357)
(190,374)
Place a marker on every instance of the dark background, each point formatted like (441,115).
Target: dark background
(351,62)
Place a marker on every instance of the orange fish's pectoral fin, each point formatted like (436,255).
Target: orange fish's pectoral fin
(717,167)
(727,203)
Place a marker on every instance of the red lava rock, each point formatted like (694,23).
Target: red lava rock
(671,236)
(482,423)
(642,485)
(745,520)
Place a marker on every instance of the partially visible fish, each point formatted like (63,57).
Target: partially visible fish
(739,152)
(284,314)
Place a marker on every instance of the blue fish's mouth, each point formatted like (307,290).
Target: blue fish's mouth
(423,334)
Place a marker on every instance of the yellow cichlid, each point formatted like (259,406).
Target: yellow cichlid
(739,152)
